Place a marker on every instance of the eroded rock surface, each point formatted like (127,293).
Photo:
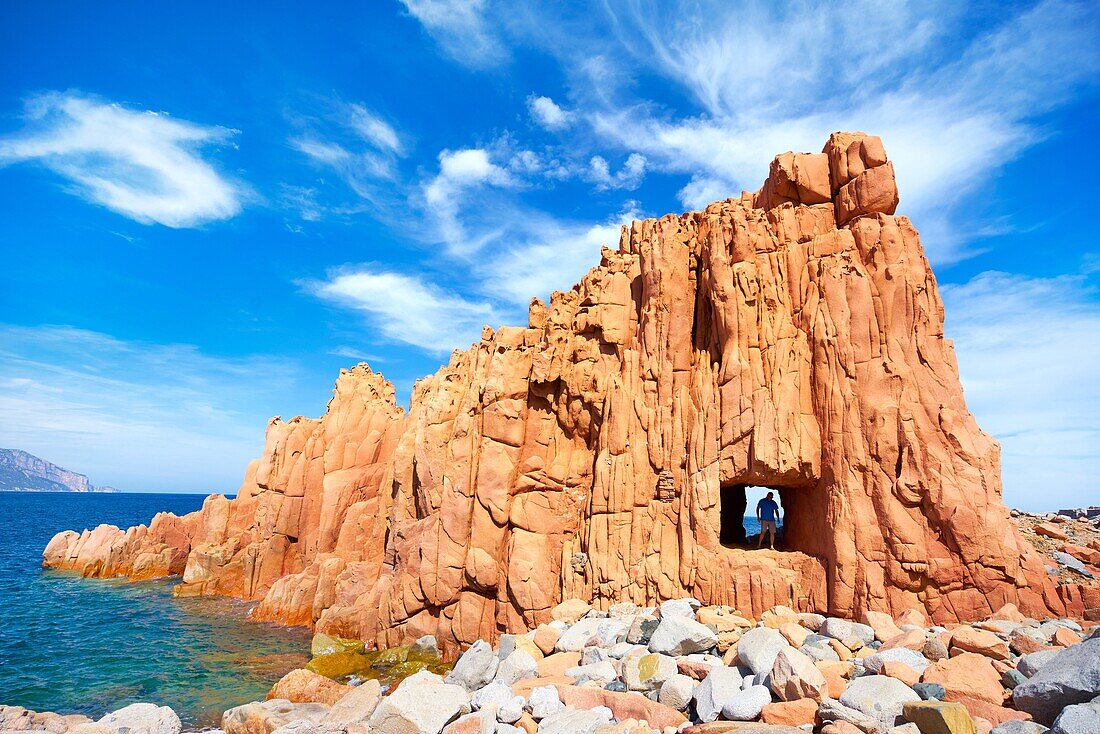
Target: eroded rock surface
(791,338)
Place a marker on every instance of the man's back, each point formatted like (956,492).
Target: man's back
(767,509)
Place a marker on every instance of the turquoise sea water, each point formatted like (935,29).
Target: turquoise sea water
(90,646)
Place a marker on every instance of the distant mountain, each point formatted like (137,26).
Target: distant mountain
(23,472)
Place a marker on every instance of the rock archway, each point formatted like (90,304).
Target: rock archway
(791,337)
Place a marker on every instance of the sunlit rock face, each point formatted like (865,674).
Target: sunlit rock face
(790,338)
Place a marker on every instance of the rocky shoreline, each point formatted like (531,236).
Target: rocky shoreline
(679,668)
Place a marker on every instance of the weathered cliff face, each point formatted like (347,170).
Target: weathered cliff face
(791,338)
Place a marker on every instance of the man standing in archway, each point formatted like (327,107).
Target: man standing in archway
(767,513)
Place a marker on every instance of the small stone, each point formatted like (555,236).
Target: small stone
(746,705)
(492,696)
(900,671)
(979,641)
(419,706)
(790,713)
(601,672)
(930,691)
(882,624)
(517,666)
(1032,663)
(577,637)
(512,710)
(680,608)
(1012,678)
(852,635)
(938,717)
(1049,530)
(1019,727)
(546,638)
(1065,637)
(811,621)
(911,658)
(642,629)
(544,701)
(570,610)
(934,649)
(616,686)
(676,692)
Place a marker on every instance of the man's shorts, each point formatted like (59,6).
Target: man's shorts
(767,525)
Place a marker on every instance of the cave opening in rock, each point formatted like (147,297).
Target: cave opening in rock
(739,526)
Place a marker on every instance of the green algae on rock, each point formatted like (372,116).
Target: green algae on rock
(388,666)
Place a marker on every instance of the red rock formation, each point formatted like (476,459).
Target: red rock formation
(791,338)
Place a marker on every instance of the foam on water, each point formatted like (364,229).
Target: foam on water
(90,646)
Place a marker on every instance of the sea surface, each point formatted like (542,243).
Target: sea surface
(89,646)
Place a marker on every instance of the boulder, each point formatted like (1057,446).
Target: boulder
(1070,677)
(622,705)
(909,657)
(794,676)
(1082,718)
(141,718)
(790,713)
(746,705)
(711,694)
(475,667)
(676,692)
(758,648)
(939,717)
(969,639)
(648,672)
(879,697)
(305,686)
(682,635)
(264,717)
(604,631)
(420,707)
(968,675)
(356,706)
(570,610)
(517,666)
(544,701)
(852,635)
(575,721)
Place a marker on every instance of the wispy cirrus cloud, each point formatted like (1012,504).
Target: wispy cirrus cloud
(123,411)
(460,29)
(741,82)
(1028,356)
(405,308)
(144,165)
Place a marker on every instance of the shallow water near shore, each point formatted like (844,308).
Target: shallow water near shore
(89,646)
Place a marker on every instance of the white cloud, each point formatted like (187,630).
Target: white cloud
(550,255)
(404,308)
(125,412)
(374,129)
(460,171)
(547,113)
(460,28)
(755,78)
(356,144)
(628,177)
(1028,355)
(144,165)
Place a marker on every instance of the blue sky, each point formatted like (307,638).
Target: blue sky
(208,211)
